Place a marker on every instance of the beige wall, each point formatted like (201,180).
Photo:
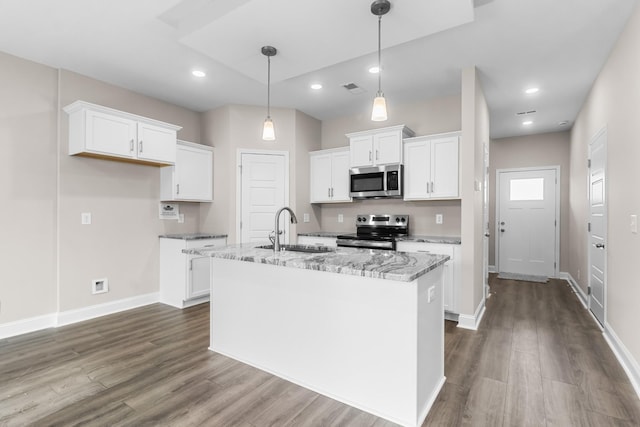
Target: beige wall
(28,165)
(549,149)
(122,243)
(228,129)
(424,118)
(475,133)
(614,102)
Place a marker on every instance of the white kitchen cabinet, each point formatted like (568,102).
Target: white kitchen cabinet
(317,241)
(329,176)
(452,272)
(185,280)
(431,167)
(191,178)
(97,131)
(377,147)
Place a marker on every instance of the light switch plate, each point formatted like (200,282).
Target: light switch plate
(438,218)
(305,217)
(85,218)
(634,223)
(181,218)
(340,218)
(431,294)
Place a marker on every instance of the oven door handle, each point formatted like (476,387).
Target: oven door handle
(366,244)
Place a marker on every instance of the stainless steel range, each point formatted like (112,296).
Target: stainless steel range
(376,232)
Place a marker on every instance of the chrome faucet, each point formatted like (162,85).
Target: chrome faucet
(294,220)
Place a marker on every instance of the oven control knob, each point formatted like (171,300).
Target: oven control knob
(397,220)
(404,219)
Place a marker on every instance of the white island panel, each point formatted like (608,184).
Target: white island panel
(375,344)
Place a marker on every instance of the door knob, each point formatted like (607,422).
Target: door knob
(502,223)
(487,235)
(502,230)
(600,245)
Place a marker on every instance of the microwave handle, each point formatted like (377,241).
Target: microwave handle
(385,177)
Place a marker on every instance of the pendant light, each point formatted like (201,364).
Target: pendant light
(268,131)
(379,111)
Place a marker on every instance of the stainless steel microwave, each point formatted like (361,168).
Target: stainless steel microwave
(376,182)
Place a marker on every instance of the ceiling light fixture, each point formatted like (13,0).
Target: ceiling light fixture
(379,111)
(316,86)
(268,131)
(198,73)
(527,123)
(374,70)
(531,90)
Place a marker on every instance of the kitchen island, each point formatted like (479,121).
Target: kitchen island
(361,326)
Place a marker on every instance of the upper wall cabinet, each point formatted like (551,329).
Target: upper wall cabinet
(191,178)
(329,176)
(431,167)
(377,147)
(97,131)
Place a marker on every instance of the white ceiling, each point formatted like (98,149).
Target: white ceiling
(151,46)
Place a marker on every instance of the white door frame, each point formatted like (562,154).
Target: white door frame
(605,214)
(557,228)
(239,154)
(485,221)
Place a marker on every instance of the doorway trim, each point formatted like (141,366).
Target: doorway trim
(239,153)
(557,213)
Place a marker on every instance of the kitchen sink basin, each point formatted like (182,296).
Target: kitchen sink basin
(301,248)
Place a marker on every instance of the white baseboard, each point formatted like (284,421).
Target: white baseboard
(25,326)
(53,320)
(466,321)
(576,288)
(91,312)
(626,359)
(492,269)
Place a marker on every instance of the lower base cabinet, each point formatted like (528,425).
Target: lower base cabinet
(451,272)
(185,280)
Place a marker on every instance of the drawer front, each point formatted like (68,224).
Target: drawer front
(212,243)
(434,248)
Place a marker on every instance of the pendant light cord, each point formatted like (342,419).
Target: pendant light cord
(268,86)
(379,61)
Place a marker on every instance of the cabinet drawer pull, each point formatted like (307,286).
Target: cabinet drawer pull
(209,246)
(426,252)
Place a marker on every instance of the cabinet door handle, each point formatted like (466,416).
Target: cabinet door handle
(328,191)
(190,264)
(377,154)
(177,188)
(428,188)
(140,146)
(432,186)
(370,155)
(131,145)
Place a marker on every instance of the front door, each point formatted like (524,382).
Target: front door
(263,191)
(527,221)
(597,225)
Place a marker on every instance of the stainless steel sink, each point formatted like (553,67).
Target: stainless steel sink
(300,248)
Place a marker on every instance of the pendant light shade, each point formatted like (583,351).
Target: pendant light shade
(268,130)
(379,110)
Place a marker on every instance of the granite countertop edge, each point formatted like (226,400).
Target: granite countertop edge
(193,236)
(450,240)
(377,264)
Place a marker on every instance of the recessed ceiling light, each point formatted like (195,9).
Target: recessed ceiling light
(198,73)
(563,123)
(374,70)
(527,123)
(531,90)
(316,86)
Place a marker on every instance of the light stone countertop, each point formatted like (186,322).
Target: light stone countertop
(193,236)
(380,264)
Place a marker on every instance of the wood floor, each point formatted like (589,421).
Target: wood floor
(538,359)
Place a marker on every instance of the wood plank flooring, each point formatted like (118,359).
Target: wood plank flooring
(538,359)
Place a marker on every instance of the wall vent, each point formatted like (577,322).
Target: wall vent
(99,286)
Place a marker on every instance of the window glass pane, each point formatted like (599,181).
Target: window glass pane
(526,189)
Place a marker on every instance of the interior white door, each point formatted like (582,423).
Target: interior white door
(527,221)
(263,193)
(598,225)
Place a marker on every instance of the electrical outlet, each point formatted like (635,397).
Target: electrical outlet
(181,218)
(305,217)
(85,218)
(431,294)
(340,218)
(634,223)
(438,218)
